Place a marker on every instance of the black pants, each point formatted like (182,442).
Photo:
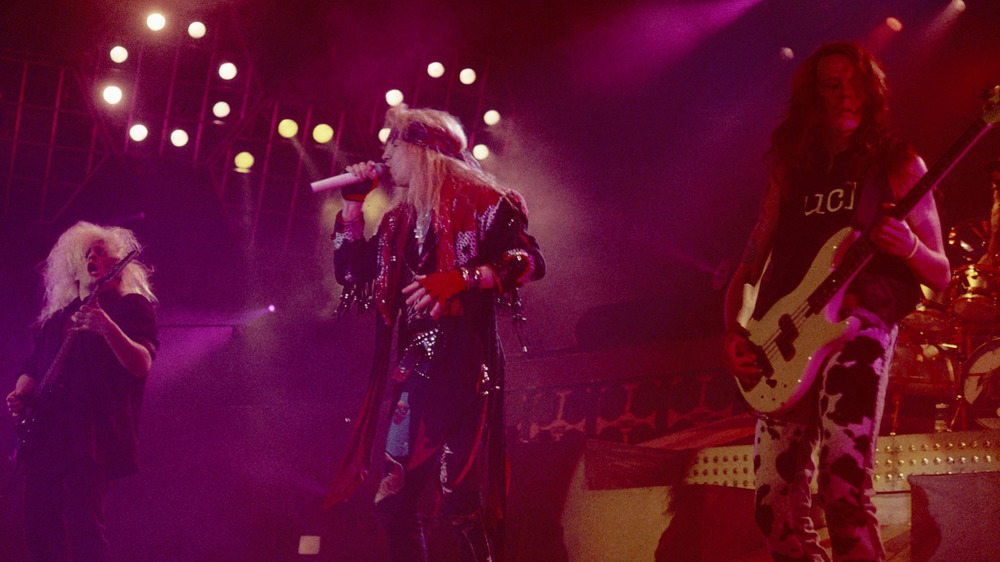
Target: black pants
(64,513)
(451,459)
(399,514)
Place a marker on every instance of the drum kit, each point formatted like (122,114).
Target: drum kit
(948,349)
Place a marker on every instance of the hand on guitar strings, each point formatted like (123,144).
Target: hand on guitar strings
(91,318)
(894,236)
(18,400)
(740,358)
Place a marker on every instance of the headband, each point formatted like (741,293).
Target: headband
(434,139)
(428,137)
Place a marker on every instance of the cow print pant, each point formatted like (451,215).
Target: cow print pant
(836,423)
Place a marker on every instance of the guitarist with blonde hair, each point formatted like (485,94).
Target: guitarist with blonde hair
(833,164)
(78,395)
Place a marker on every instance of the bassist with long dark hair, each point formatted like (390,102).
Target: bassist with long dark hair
(833,165)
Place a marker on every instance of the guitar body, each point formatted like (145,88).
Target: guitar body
(34,429)
(793,340)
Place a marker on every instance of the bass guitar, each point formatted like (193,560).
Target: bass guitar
(798,333)
(29,428)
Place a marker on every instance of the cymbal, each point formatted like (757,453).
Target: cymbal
(967,242)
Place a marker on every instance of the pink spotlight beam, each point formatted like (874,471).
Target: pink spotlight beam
(638,44)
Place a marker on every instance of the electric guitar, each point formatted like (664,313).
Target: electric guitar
(30,428)
(801,330)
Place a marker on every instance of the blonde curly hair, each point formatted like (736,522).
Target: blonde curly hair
(60,271)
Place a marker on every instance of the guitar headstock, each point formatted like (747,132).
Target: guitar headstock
(118,267)
(991,111)
(115,270)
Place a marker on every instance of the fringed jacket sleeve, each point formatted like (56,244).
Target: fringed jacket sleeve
(509,250)
(355,262)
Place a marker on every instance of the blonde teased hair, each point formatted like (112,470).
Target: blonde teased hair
(69,256)
(429,167)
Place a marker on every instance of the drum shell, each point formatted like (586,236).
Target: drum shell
(928,323)
(923,369)
(974,294)
(981,380)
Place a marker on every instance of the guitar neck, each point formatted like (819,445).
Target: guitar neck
(57,361)
(862,250)
(60,356)
(940,169)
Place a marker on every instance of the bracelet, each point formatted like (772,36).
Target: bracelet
(477,278)
(472,278)
(913,252)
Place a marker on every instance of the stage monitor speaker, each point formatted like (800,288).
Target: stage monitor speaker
(955,517)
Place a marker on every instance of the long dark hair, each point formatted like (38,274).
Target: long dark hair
(797,143)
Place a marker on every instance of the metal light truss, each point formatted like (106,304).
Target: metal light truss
(468,102)
(56,131)
(171,81)
(50,141)
(271,199)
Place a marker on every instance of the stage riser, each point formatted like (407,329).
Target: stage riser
(898,458)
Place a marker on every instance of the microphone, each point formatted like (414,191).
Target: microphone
(349,183)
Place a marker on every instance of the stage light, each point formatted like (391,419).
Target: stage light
(288,128)
(467,76)
(221,109)
(243,161)
(227,71)
(178,138)
(138,133)
(894,24)
(246,317)
(940,25)
(394,97)
(156,22)
(435,70)
(491,117)
(112,94)
(322,133)
(481,152)
(118,54)
(197,30)
(383,135)
(786,53)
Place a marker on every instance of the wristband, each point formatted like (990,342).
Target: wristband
(913,252)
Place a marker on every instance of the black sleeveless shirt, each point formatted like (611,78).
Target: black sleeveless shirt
(814,209)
